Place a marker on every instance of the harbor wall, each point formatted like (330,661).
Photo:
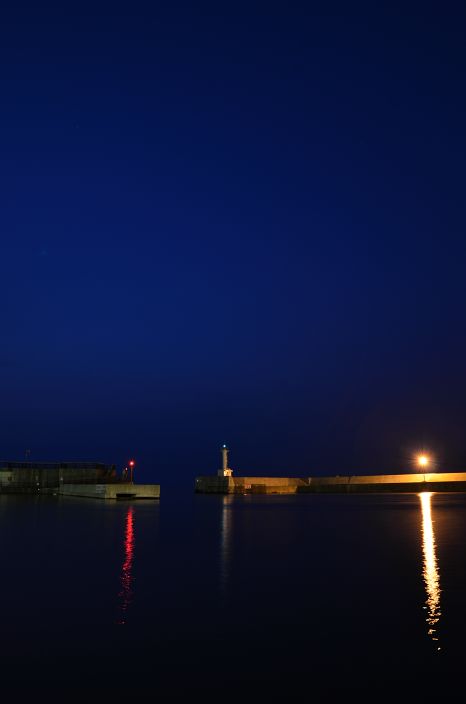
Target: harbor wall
(375,483)
(248,485)
(27,476)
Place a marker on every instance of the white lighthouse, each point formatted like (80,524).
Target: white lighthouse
(225,471)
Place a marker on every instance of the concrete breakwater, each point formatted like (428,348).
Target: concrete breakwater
(248,485)
(415,482)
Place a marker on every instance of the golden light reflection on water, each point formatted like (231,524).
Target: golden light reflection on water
(430,571)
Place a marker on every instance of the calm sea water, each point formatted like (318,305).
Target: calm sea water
(223,597)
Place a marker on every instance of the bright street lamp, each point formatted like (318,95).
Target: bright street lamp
(423,460)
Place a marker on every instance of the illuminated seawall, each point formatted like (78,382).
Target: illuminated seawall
(375,483)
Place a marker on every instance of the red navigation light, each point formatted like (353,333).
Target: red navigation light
(132,463)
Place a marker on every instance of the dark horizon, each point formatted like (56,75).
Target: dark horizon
(233,224)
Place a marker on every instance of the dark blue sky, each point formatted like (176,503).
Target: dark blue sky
(241,223)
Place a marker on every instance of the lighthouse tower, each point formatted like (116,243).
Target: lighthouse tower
(225,471)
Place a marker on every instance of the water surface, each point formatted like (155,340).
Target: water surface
(208,594)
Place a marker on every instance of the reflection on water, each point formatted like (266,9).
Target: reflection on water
(126,593)
(430,572)
(225,541)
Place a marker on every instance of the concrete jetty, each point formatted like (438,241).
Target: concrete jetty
(111,491)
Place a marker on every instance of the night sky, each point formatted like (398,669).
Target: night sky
(239,223)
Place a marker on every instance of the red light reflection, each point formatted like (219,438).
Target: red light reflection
(126,593)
